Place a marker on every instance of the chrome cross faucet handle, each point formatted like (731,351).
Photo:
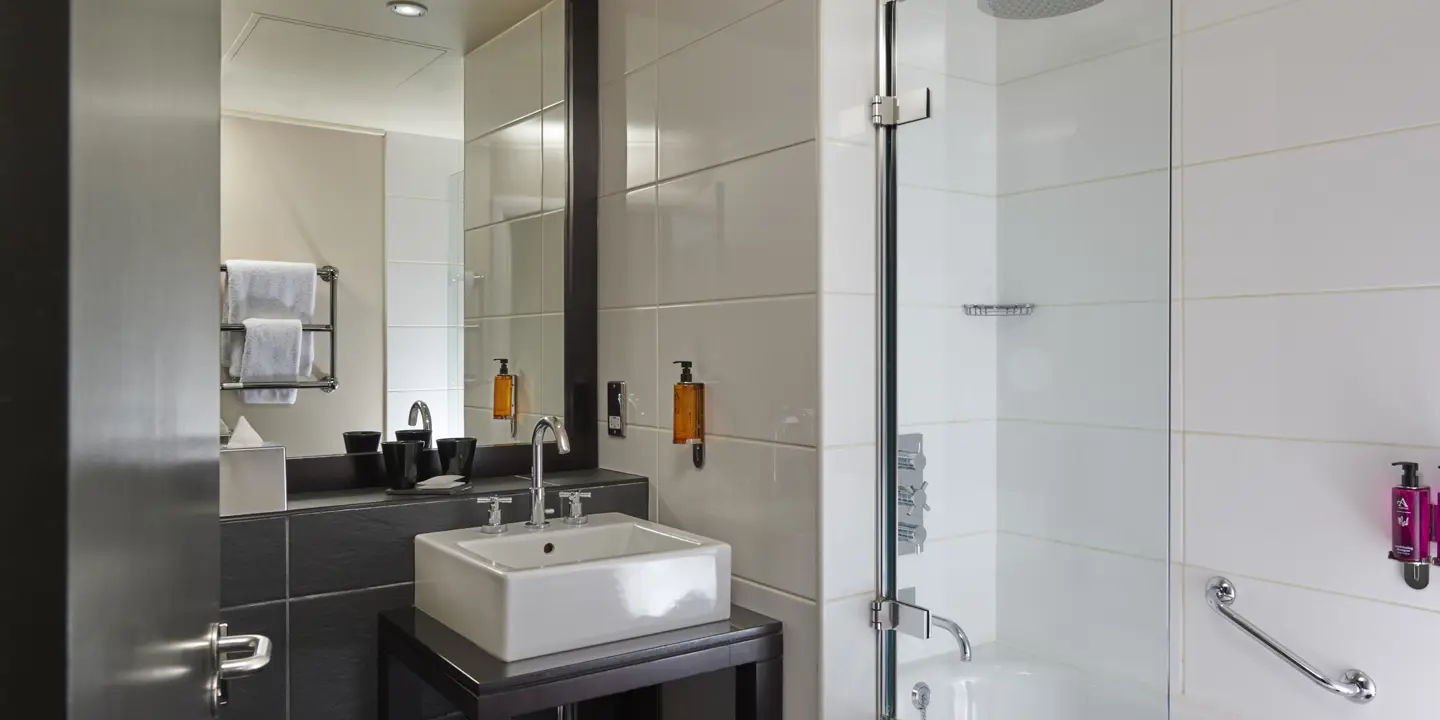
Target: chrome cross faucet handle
(577,513)
(496,524)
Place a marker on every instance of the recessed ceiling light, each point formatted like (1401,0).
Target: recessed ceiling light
(406,8)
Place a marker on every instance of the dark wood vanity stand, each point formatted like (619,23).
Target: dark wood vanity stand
(485,688)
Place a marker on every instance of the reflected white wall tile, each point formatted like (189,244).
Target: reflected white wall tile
(505,265)
(847,522)
(1028,48)
(758,360)
(956,148)
(420,166)
(1348,215)
(1226,670)
(848,684)
(947,247)
(1098,487)
(503,78)
(960,465)
(1102,118)
(759,497)
(708,90)
(417,294)
(682,22)
(418,358)
(418,230)
(443,413)
(550,376)
(552,53)
(1308,72)
(627,132)
(503,174)
(1321,367)
(518,339)
(954,578)
(745,229)
(847,218)
(627,353)
(481,425)
(1104,241)
(627,251)
(1089,364)
(553,227)
(627,37)
(555,170)
(946,366)
(802,644)
(1060,602)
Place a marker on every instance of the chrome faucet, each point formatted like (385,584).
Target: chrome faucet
(953,628)
(537,466)
(418,411)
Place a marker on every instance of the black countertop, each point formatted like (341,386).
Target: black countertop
(465,673)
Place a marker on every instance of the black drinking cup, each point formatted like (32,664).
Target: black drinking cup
(420,434)
(456,455)
(401,463)
(362,441)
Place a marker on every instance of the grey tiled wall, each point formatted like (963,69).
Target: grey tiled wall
(314,581)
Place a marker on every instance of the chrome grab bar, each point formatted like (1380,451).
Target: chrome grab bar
(1356,686)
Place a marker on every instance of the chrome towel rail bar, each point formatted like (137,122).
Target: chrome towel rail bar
(1356,686)
(330,382)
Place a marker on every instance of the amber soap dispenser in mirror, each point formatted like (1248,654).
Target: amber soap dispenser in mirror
(505,395)
(690,413)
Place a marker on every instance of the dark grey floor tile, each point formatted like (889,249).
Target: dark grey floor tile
(262,695)
(252,561)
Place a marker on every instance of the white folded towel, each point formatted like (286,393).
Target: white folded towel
(272,352)
(270,290)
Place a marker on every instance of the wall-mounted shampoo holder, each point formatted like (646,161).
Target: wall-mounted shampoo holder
(1412,526)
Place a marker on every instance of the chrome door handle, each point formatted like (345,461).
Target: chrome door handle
(259,657)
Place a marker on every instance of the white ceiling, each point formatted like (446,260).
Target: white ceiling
(353,62)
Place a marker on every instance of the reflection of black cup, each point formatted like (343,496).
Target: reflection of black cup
(362,441)
(401,463)
(421,435)
(456,455)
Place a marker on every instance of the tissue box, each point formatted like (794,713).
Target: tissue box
(252,480)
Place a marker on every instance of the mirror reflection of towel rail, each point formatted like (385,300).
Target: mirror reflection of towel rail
(330,274)
(1356,686)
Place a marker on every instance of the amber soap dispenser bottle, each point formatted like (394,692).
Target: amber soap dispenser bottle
(690,413)
(504,391)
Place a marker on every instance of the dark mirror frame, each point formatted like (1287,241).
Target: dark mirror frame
(582,103)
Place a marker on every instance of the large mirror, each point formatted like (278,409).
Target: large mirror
(420,150)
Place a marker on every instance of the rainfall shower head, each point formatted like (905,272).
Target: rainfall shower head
(1033,9)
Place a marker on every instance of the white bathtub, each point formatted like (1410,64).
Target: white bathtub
(1020,690)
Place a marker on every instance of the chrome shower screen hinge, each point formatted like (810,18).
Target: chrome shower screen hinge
(897,110)
(901,615)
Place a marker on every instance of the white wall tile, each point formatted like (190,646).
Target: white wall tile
(505,261)
(948,36)
(503,174)
(418,230)
(1194,14)
(553,227)
(1090,364)
(1335,539)
(1309,72)
(947,248)
(1228,671)
(847,70)
(1099,119)
(955,148)
(1321,367)
(848,379)
(1355,214)
(421,358)
(759,361)
(847,218)
(518,339)
(708,91)
(1105,612)
(848,670)
(1104,241)
(759,497)
(682,22)
(503,78)
(946,366)
(420,166)
(627,352)
(960,465)
(628,132)
(420,294)
(627,249)
(847,494)
(636,453)
(744,229)
(802,644)
(1098,487)
(552,53)
(1028,48)
(481,425)
(627,37)
(954,578)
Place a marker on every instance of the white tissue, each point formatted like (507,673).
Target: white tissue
(244,436)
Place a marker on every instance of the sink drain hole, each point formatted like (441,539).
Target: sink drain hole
(549,548)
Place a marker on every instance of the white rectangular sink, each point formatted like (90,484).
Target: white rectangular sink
(524,593)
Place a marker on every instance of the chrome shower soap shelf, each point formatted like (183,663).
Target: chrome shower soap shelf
(999,310)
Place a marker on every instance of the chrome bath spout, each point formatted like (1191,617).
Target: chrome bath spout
(954,629)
